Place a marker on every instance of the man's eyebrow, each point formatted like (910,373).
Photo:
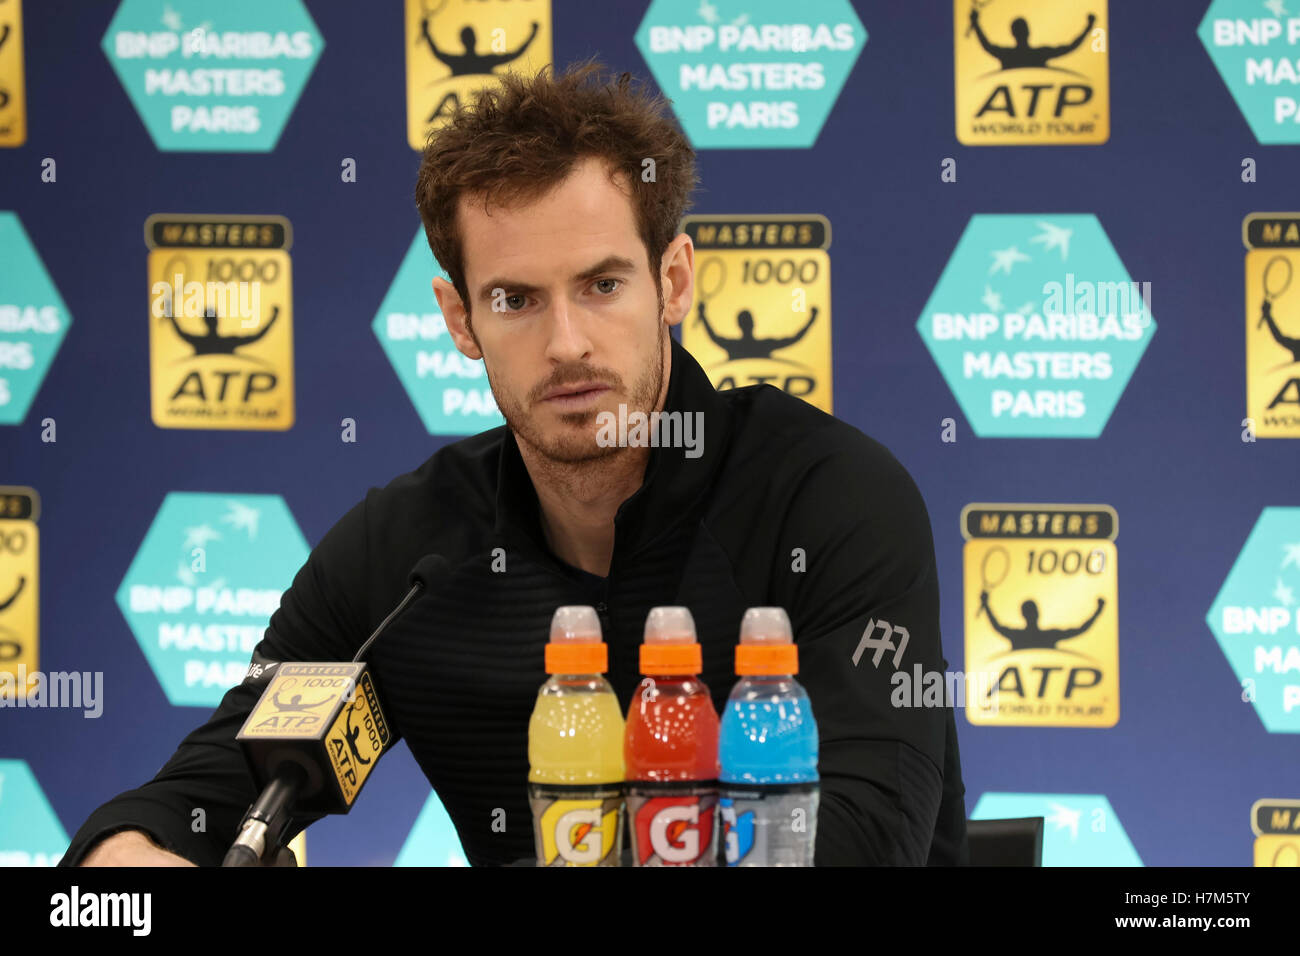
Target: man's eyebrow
(608,264)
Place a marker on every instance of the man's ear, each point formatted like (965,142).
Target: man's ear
(677,277)
(453,311)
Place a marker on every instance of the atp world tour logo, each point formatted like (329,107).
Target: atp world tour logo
(455,48)
(1041,596)
(221,323)
(13,106)
(1272,325)
(762,303)
(1276,824)
(1031,72)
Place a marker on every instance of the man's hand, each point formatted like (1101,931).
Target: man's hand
(131,848)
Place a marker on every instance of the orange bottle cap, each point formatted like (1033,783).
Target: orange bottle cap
(766,644)
(575,646)
(670,645)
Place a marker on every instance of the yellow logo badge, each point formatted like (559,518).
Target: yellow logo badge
(1277,832)
(221,321)
(19,593)
(454,48)
(13,96)
(1272,324)
(762,312)
(1031,72)
(1041,595)
(356,740)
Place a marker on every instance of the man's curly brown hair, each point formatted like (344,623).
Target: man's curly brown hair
(518,140)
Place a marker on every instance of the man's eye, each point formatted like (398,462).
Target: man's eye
(608,291)
(515,302)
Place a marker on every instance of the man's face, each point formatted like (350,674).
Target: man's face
(565,312)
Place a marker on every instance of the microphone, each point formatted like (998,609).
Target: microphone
(314,737)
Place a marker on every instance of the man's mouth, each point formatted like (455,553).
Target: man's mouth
(575,396)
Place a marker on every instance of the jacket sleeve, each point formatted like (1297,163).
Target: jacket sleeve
(321,617)
(865,614)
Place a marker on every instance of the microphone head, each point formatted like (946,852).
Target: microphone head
(427,570)
(326,718)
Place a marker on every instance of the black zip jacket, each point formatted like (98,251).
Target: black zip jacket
(785,506)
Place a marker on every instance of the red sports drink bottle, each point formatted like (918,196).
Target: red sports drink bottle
(671,749)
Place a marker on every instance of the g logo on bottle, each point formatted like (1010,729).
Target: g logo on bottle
(580,832)
(737,831)
(673,831)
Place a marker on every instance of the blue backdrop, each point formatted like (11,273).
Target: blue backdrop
(1187,758)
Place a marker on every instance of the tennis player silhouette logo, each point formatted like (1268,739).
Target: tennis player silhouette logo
(748,345)
(211,341)
(1276,282)
(10,649)
(295,703)
(471,62)
(1033,636)
(22,582)
(4,94)
(352,733)
(1022,55)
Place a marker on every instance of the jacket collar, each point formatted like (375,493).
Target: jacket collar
(673,484)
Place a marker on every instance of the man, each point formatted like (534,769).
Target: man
(566,274)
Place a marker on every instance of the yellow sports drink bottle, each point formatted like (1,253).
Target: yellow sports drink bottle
(575,749)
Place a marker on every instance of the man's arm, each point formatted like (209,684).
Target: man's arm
(322,616)
(870,573)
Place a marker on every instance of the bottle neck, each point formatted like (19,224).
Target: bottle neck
(670,678)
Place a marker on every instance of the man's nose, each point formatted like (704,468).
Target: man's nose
(568,340)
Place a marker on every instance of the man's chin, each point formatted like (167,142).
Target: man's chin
(576,444)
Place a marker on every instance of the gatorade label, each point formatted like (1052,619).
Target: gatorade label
(769,826)
(577,826)
(673,826)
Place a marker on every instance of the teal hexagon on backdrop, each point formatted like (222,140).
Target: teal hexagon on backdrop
(1078,829)
(746,74)
(1255,51)
(30,832)
(216,77)
(1036,325)
(204,583)
(33,320)
(1256,619)
(449,391)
